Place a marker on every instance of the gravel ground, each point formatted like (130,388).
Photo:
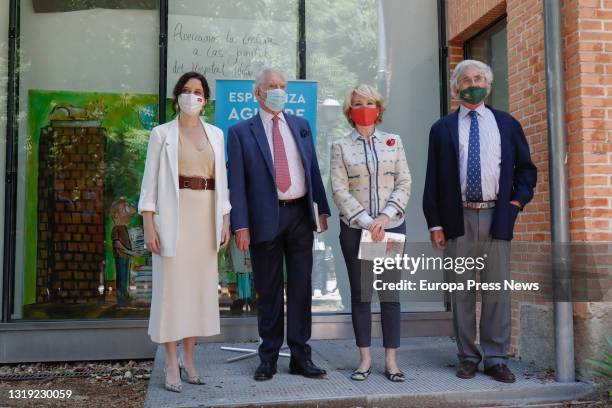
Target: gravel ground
(98,384)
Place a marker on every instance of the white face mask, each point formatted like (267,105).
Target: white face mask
(190,104)
(276,99)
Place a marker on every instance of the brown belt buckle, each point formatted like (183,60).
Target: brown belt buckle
(186,183)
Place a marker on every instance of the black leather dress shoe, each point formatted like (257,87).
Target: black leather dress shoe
(467,370)
(306,368)
(500,372)
(265,371)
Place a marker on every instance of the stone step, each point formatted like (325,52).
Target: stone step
(429,364)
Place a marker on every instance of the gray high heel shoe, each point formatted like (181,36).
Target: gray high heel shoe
(196,379)
(173,387)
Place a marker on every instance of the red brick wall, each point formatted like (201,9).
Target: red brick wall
(588,56)
(455,56)
(588,59)
(587,28)
(527,97)
(465,18)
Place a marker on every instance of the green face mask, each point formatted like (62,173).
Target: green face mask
(473,95)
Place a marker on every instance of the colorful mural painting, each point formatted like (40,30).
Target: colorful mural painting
(85,157)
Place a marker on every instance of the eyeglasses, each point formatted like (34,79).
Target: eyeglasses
(478,79)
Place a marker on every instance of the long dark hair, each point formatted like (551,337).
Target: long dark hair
(178,88)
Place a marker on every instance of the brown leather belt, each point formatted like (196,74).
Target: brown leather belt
(478,205)
(196,183)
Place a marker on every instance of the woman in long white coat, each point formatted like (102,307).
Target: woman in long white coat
(185,207)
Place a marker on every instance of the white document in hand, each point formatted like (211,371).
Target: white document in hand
(392,244)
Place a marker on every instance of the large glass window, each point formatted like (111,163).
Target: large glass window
(4,23)
(491,46)
(231,39)
(347,42)
(391,44)
(87,100)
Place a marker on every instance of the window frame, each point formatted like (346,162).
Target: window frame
(7,270)
(486,34)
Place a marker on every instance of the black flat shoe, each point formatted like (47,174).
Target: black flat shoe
(306,368)
(395,377)
(265,371)
(361,375)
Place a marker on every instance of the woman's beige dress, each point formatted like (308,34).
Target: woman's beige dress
(185,301)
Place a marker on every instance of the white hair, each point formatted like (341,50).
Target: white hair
(263,73)
(484,69)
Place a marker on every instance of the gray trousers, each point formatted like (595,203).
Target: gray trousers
(495,317)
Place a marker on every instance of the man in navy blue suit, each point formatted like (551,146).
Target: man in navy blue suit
(479,176)
(277,195)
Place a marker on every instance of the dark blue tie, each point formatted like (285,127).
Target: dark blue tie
(473,189)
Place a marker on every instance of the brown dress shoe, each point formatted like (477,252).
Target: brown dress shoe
(500,372)
(467,370)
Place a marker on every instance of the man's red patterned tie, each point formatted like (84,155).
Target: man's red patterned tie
(283,178)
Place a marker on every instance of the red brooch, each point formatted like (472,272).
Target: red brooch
(390,142)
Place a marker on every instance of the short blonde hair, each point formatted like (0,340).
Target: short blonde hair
(368,92)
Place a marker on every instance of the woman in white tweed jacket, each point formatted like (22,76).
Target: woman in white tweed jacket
(371,185)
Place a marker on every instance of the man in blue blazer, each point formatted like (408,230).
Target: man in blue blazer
(479,176)
(277,197)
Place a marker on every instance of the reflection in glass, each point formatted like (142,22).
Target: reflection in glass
(231,39)
(341,46)
(390,44)
(87,101)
